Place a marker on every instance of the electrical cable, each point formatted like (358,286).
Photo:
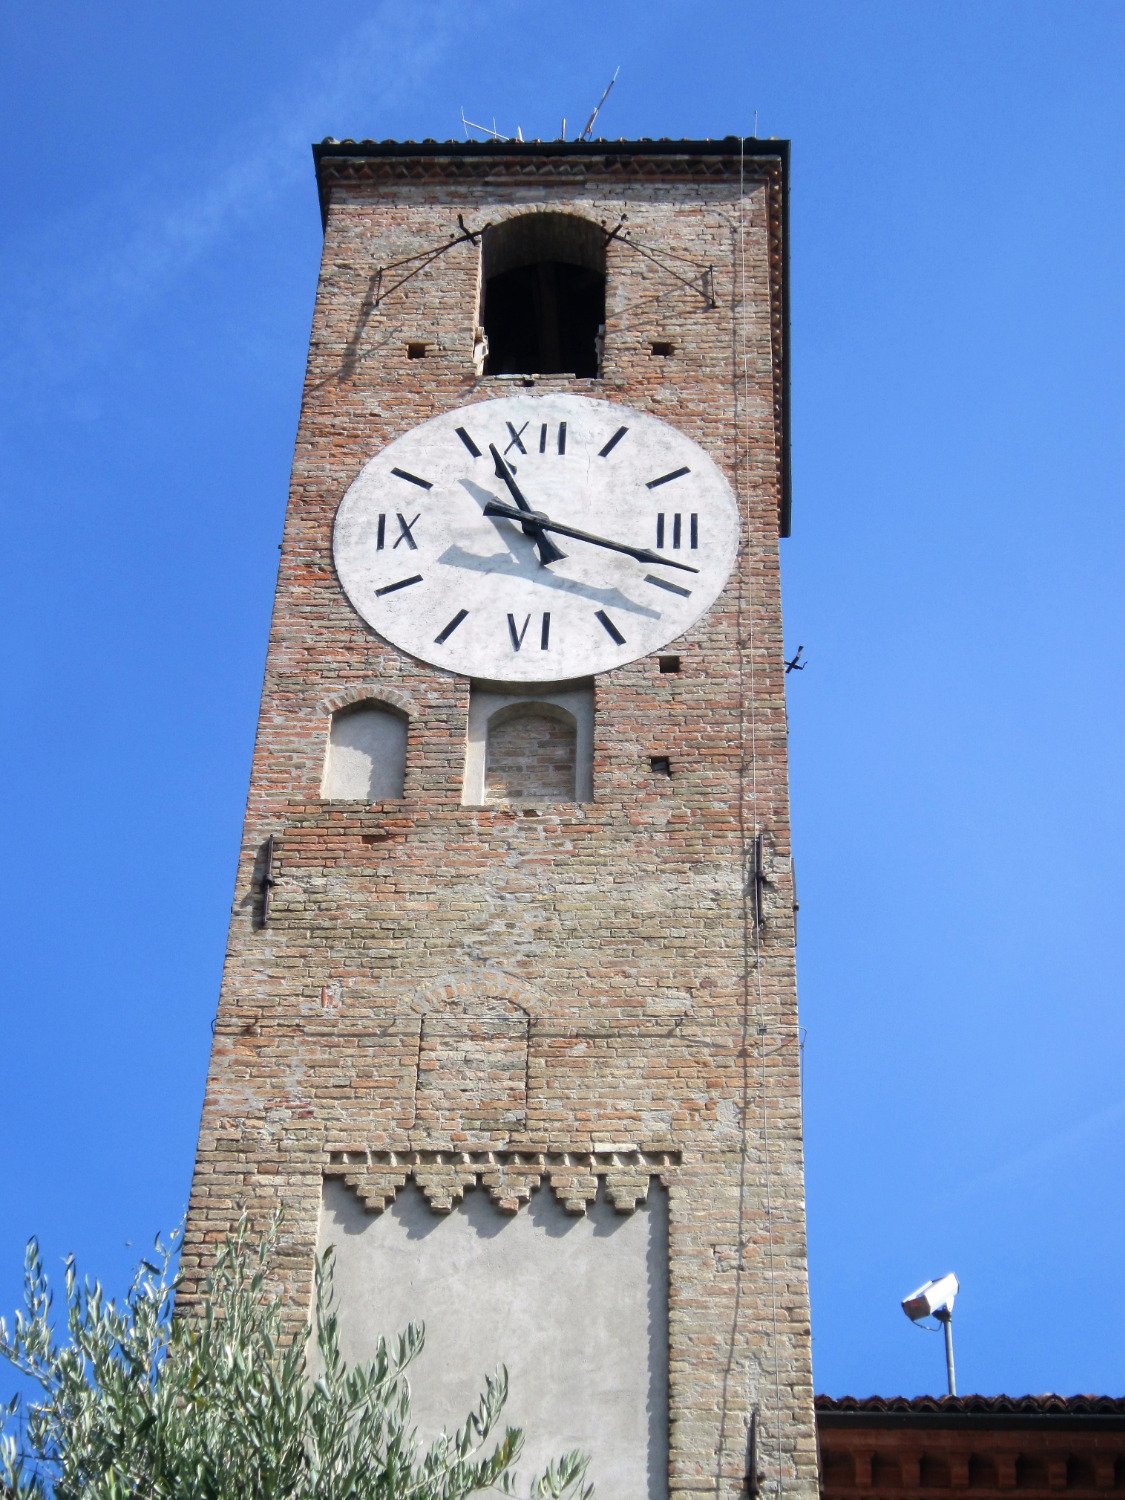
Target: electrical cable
(753,992)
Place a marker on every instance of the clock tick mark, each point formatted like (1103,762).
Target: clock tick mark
(672,588)
(613,442)
(403,583)
(463,434)
(667,478)
(441,638)
(423,484)
(610,628)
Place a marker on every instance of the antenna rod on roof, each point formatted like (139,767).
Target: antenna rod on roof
(484,130)
(585,136)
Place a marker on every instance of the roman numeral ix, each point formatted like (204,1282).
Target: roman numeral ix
(405,532)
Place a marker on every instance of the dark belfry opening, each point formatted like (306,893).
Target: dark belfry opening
(543,295)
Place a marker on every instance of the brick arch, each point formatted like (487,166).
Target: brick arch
(1080,1472)
(886,1472)
(531,753)
(472,1066)
(838,1466)
(530,235)
(934,1471)
(983,1471)
(365,756)
(543,294)
(493,989)
(376,693)
(1031,1471)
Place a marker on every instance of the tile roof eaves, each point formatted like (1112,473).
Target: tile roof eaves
(1048,1405)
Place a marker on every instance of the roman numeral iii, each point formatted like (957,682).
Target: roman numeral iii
(676,530)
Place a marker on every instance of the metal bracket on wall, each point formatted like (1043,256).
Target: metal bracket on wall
(702,283)
(752,1480)
(378,293)
(268,881)
(759,879)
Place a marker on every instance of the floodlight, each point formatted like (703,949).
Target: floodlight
(931,1298)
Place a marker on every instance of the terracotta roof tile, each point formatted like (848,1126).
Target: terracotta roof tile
(1045,1405)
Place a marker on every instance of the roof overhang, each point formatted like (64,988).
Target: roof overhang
(1000,1413)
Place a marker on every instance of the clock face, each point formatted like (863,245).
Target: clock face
(536,538)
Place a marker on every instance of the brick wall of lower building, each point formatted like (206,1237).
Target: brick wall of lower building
(972,1448)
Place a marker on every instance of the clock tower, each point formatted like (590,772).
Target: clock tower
(508,1012)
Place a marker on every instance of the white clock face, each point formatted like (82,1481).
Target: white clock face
(536,538)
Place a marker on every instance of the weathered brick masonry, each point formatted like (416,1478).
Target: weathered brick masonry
(542,978)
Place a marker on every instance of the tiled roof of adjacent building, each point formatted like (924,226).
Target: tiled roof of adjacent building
(1046,1405)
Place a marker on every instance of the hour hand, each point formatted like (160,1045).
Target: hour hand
(548,552)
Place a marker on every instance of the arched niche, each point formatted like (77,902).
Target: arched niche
(529,747)
(543,295)
(366,755)
(472,1068)
(530,754)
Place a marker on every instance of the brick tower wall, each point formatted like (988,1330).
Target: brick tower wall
(612,945)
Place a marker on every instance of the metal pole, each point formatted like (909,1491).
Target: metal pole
(945,1318)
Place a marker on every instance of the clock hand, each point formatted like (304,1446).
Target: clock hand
(548,552)
(544,523)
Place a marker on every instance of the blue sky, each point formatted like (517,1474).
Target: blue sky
(954,576)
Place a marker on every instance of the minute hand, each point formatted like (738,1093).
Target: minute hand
(536,517)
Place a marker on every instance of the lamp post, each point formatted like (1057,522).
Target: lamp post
(934,1299)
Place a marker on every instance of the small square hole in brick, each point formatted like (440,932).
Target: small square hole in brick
(669,663)
(663,348)
(415,351)
(661,765)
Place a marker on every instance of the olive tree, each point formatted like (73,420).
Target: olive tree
(225,1404)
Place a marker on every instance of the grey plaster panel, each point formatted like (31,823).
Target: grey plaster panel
(575,1306)
(366,759)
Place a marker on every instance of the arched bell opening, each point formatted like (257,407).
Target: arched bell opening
(543,295)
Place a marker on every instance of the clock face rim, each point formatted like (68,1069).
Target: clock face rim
(352,557)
